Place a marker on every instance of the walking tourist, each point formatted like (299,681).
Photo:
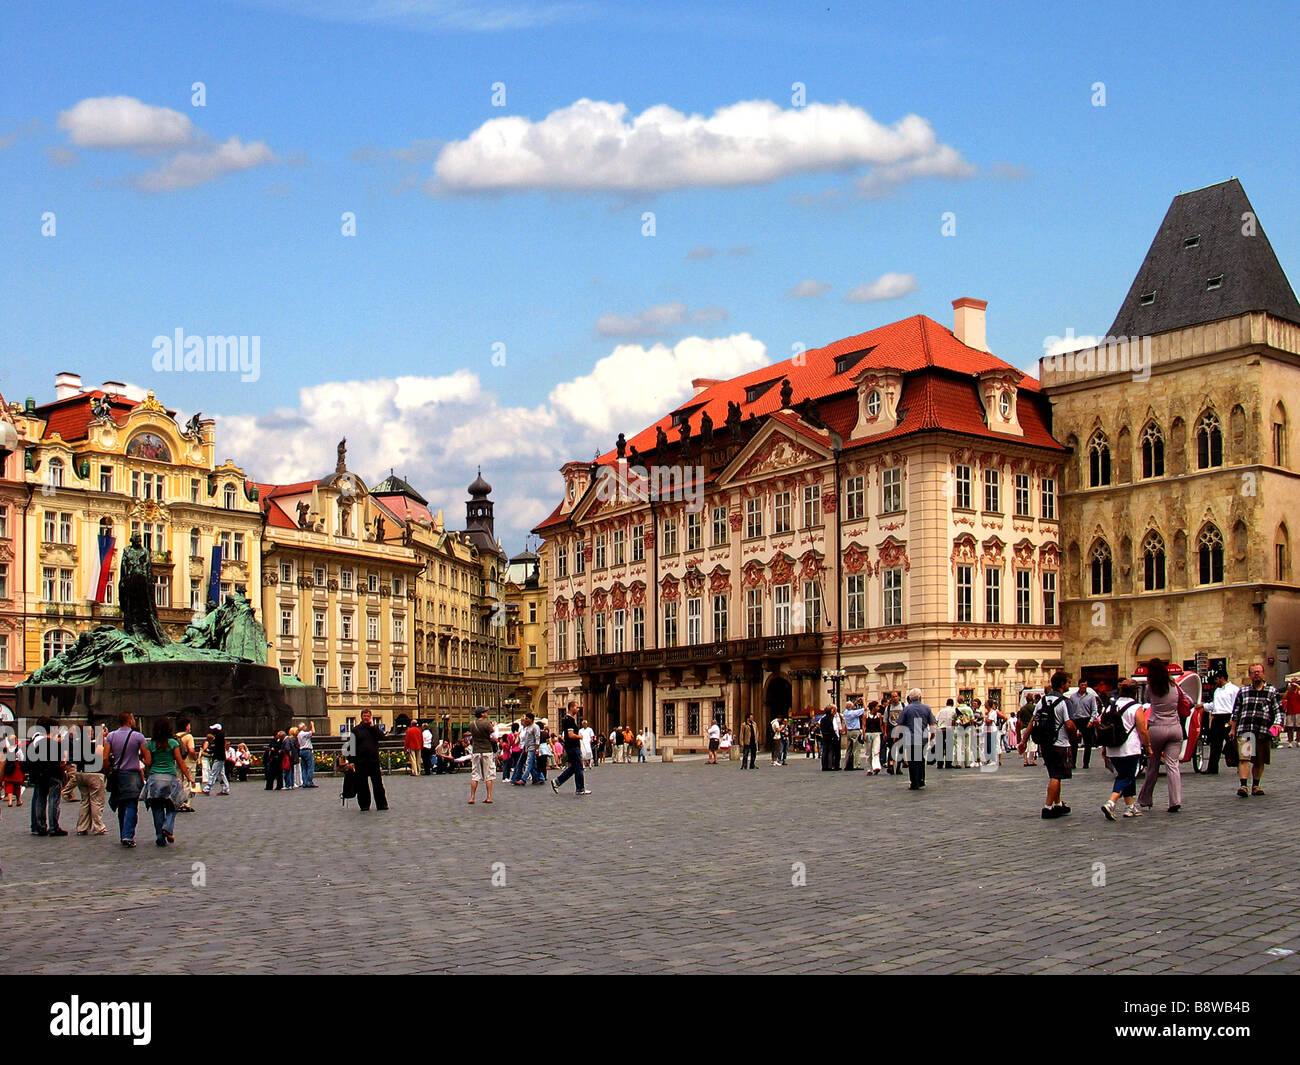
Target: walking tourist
(916,728)
(715,741)
(749,743)
(530,737)
(829,740)
(363,741)
(1291,707)
(125,775)
(573,750)
(1083,711)
(273,763)
(189,752)
(853,730)
(165,788)
(483,765)
(1162,735)
(1118,736)
(44,765)
(11,770)
(215,748)
(944,741)
(307,753)
(86,756)
(873,727)
(1051,729)
(1255,720)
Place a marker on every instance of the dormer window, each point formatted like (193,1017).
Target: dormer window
(1192,242)
(844,363)
(754,392)
(873,402)
(1214,282)
(1004,404)
(1147,298)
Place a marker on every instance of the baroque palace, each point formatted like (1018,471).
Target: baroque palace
(363,591)
(886,506)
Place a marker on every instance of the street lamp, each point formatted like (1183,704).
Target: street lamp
(835,676)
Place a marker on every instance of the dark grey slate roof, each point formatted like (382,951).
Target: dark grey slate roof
(1179,275)
(392,485)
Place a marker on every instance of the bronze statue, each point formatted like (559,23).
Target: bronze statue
(706,428)
(379,529)
(100,409)
(303,508)
(621,445)
(787,393)
(661,438)
(192,426)
(342,463)
(135,595)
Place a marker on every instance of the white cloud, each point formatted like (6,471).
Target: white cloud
(656,320)
(186,169)
(433,15)
(1061,345)
(809,290)
(596,146)
(634,385)
(123,122)
(885,287)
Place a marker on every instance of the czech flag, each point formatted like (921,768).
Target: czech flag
(97,589)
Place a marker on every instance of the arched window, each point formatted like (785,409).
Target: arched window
(195,549)
(1282,554)
(56,642)
(1153,562)
(1101,568)
(228,497)
(1098,460)
(1209,552)
(1209,441)
(1279,435)
(55,479)
(1153,451)
(105,526)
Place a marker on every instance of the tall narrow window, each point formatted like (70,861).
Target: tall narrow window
(1022,496)
(891,490)
(753,518)
(855,498)
(781,512)
(812,505)
(1049,597)
(962,488)
(1098,460)
(753,613)
(892,596)
(812,606)
(993,491)
(670,624)
(1101,569)
(1047,498)
(694,621)
(1023,592)
(781,610)
(856,600)
(719,526)
(1153,562)
(1209,441)
(993,596)
(1153,451)
(965,594)
(719,618)
(1209,552)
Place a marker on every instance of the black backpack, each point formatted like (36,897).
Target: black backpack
(1110,725)
(1044,729)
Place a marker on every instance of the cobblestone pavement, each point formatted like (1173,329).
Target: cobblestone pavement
(681,867)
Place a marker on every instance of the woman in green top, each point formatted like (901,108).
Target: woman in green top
(163,791)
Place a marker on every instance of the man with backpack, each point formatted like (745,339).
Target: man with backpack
(1054,733)
(1118,737)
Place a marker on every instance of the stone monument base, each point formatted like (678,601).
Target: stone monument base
(247,699)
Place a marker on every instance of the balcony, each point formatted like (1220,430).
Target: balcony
(804,643)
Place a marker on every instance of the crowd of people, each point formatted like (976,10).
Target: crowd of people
(1138,730)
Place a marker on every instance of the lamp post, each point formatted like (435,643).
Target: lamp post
(511,705)
(835,676)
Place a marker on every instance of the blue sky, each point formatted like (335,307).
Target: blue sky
(165,222)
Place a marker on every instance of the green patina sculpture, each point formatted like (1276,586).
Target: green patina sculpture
(229,633)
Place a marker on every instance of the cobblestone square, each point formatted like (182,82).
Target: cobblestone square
(680,867)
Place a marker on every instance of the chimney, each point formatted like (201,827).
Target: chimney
(968,322)
(701,383)
(66,384)
(114,388)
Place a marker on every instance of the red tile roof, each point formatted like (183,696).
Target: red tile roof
(939,371)
(70,417)
(277,518)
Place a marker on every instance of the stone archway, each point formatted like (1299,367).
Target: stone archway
(1153,642)
(778,698)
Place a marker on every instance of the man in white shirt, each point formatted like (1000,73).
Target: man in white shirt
(1220,708)
(715,739)
(427,753)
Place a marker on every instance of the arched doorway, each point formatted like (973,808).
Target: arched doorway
(776,703)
